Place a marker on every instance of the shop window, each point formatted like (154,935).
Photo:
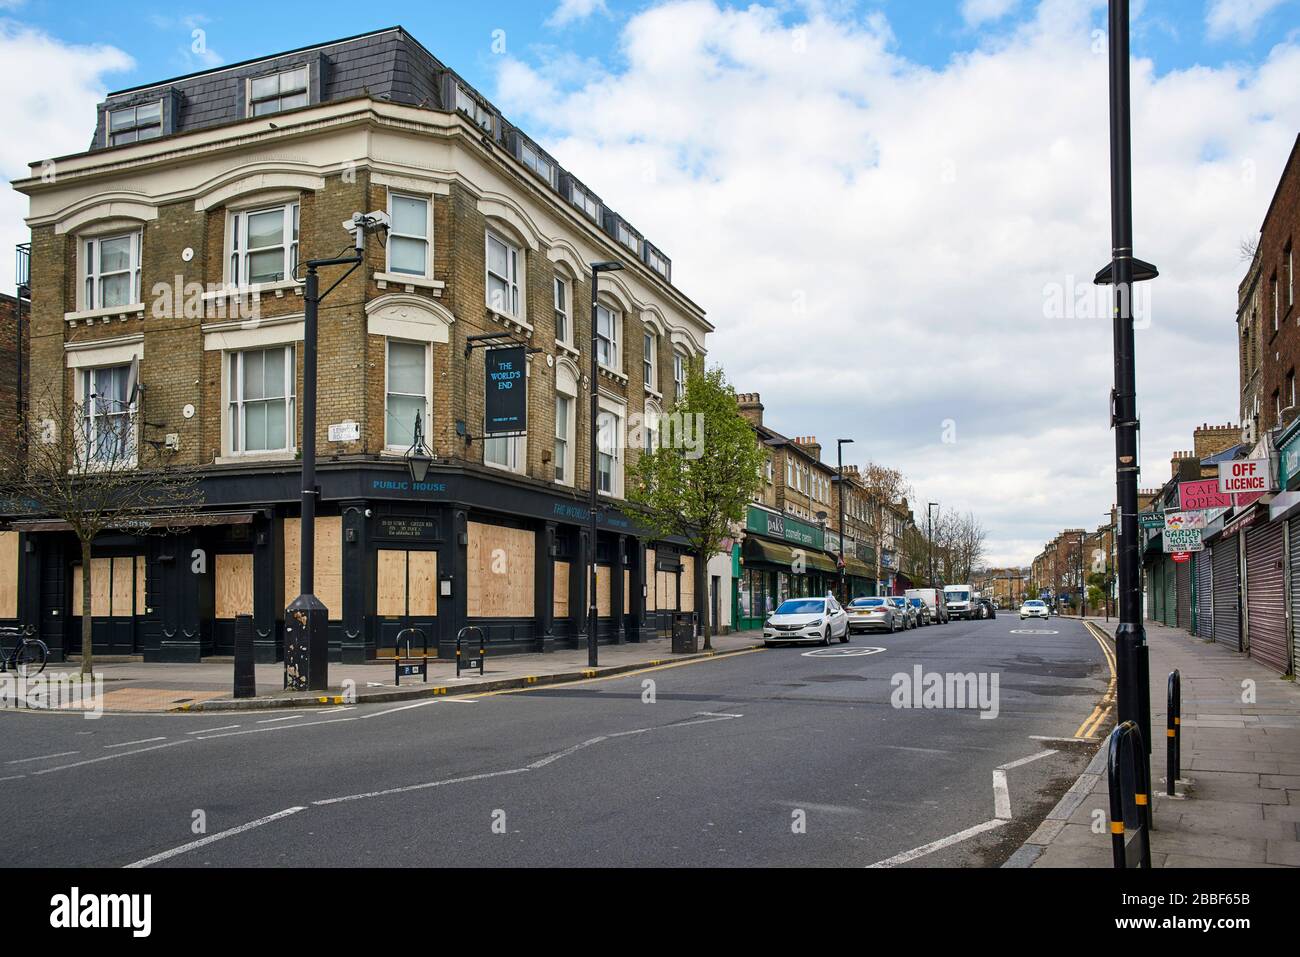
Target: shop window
(560,605)
(329,562)
(117,587)
(406,584)
(233,586)
(500,570)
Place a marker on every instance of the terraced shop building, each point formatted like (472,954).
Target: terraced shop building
(173,243)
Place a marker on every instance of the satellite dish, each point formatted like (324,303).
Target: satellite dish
(133,381)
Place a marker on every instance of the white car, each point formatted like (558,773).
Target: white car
(1034,609)
(806,619)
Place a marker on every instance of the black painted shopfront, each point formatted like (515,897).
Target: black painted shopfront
(464,547)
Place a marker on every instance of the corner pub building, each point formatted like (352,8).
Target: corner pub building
(171,246)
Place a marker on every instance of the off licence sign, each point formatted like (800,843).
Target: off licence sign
(1244,476)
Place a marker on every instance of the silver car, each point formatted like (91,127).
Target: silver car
(906,613)
(806,619)
(873,614)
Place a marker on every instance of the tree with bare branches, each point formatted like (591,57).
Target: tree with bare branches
(885,488)
(83,464)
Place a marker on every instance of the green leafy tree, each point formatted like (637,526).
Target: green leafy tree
(699,481)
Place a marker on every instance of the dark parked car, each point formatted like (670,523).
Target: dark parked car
(987,608)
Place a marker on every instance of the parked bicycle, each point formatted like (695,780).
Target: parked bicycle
(29,652)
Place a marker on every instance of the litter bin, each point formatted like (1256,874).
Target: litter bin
(684,640)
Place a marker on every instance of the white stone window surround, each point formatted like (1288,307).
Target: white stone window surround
(99,354)
(236,336)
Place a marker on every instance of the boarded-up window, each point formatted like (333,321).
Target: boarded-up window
(117,587)
(560,607)
(602,592)
(8,574)
(688,583)
(499,564)
(652,589)
(234,585)
(667,585)
(406,584)
(627,591)
(329,562)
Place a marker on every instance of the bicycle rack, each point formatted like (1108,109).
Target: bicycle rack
(406,665)
(1174,734)
(472,663)
(1126,741)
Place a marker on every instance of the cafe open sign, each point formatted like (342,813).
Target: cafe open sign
(506,404)
(1244,476)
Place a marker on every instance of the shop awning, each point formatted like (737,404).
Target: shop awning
(196,520)
(774,553)
(858,569)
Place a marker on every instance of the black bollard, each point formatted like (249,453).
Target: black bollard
(245,674)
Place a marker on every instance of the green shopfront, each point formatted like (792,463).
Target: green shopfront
(782,557)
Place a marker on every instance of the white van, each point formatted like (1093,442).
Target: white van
(961,602)
(933,599)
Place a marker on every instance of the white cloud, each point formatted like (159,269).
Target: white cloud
(571,11)
(976,12)
(873,237)
(52,117)
(1239,18)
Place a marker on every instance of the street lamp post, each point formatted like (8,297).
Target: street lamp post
(839,478)
(929,523)
(306,622)
(1133,684)
(596,269)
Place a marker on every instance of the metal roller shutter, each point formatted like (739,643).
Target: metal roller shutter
(1171,593)
(1265,602)
(1294,534)
(1204,595)
(1155,592)
(1227,621)
(1183,574)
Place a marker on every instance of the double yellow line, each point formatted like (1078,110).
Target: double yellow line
(1103,709)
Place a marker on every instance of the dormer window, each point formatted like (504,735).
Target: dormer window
(135,123)
(278,92)
(535,161)
(657,261)
(471,107)
(628,238)
(584,201)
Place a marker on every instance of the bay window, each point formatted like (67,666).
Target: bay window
(112,271)
(261,403)
(502,276)
(408,236)
(264,245)
(406,394)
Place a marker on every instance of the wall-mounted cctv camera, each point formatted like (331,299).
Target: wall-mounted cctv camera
(362,223)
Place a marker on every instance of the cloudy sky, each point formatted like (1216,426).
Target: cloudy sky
(890,209)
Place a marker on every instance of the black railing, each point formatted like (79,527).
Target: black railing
(23,269)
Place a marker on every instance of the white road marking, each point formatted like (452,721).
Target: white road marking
(1001,810)
(212,838)
(207,736)
(287,717)
(900,747)
(566,752)
(225,727)
(127,744)
(842,652)
(107,757)
(938,845)
(420,787)
(43,757)
(405,707)
(13,777)
(718,714)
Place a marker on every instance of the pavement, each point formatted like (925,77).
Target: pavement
(791,756)
(134,686)
(1238,801)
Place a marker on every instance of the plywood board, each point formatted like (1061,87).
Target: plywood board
(76,591)
(123,595)
(667,582)
(390,583)
(8,574)
(422,584)
(627,591)
(101,583)
(560,606)
(234,586)
(499,563)
(141,589)
(329,562)
(652,586)
(602,592)
(688,583)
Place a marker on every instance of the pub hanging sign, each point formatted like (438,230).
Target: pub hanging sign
(506,399)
